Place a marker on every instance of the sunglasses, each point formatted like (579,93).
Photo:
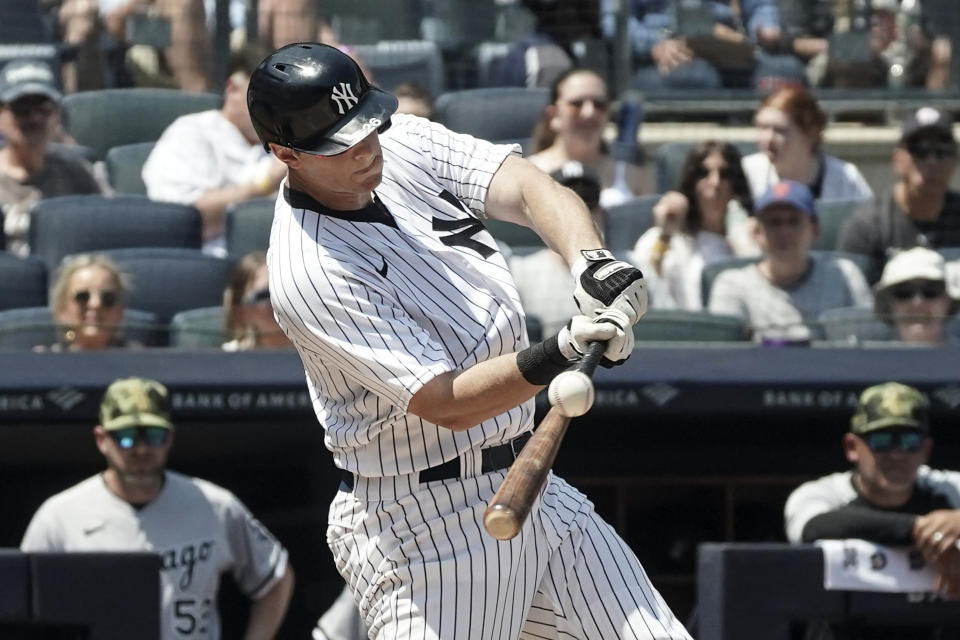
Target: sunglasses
(927,291)
(108,298)
(258,296)
(152,436)
(941,151)
(726,173)
(908,441)
(26,107)
(600,104)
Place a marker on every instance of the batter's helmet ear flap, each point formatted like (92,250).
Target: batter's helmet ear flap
(314,98)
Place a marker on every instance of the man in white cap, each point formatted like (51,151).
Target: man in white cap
(29,169)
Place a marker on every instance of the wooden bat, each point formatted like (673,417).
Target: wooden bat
(511,504)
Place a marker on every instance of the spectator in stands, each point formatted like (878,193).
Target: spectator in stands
(213,159)
(413,98)
(912,296)
(543,278)
(691,225)
(890,496)
(30,169)
(538,58)
(789,287)
(199,529)
(921,209)
(571,129)
(281,22)
(88,301)
(246,301)
(183,61)
(790,127)
(673,53)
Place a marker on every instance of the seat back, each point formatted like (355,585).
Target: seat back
(247,226)
(79,224)
(166,281)
(513,235)
(498,114)
(124,166)
(393,62)
(853,325)
(625,223)
(663,325)
(198,328)
(30,327)
(832,215)
(23,281)
(112,117)
(364,22)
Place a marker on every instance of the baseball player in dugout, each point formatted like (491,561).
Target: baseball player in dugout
(199,529)
(412,336)
(890,497)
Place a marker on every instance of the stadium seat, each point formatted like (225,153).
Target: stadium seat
(488,56)
(80,224)
(248,226)
(198,328)
(852,325)
(393,62)
(112,117)
(365,22)
(166,281)
(498,114)
(23,22)
(833,214)
(664,325)
(513,235)
(23,281)
(625,223)
(460,24)
(124,166)
(670,157)
(30,327)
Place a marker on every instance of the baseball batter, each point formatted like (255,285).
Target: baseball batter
(412,336)
(199,529)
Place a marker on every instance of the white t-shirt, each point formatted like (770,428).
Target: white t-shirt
(677,286)
(381,300)
(841,179)
(199,529)
(200,152)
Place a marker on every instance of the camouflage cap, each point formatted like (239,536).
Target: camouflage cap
(135,402)
(890,405)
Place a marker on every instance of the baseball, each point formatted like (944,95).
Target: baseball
(571,393)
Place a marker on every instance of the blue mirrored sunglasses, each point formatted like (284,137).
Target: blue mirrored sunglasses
(909,441)
(127,438)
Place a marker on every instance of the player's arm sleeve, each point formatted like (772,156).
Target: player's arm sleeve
(259,560)
(853,521)
(172,170)
(42,534)
(354,328)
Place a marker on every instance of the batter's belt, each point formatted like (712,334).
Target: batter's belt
(494,458)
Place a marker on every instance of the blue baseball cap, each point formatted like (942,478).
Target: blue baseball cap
(790,193)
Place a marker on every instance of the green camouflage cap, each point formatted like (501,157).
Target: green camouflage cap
(889,405)
(135,402)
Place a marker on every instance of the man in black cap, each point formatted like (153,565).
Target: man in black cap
(29,169)
(921,209)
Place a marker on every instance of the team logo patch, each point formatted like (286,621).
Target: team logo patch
(343,96)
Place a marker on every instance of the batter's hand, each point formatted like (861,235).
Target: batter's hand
(937,532)
(605,282)
(611,326)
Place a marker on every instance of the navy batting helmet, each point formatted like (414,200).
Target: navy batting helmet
(314,98)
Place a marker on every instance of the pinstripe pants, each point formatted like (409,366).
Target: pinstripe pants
(422,567)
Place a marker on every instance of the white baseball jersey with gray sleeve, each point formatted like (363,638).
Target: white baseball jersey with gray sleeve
(378,302)
(199,529)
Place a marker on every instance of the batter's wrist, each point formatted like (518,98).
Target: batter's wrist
(542,362)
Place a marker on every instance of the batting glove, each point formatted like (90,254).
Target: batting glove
(605,282)
(610,325)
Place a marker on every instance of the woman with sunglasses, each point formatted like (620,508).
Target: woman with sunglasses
(790,126)
(912,297)
(571,130)
(692,225)
(88,301)
(246,302)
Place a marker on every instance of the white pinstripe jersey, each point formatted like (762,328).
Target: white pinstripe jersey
(381,300)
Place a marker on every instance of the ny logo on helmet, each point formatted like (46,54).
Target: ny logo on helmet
(343,96)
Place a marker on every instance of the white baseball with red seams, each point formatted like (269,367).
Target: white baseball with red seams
(571,393)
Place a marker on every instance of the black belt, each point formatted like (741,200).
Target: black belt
(493,458)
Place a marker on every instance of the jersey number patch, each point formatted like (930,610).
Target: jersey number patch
(463,229)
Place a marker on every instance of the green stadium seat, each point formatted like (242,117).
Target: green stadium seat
(664,325)
(626,222)
(247,226)
(23,281)
(513,235)
(198,328)
(124,166)
(34,326)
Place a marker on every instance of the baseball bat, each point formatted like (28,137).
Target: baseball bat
(511,504)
